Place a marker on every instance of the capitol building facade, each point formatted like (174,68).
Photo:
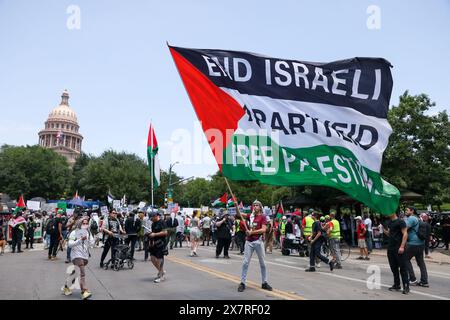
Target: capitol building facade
(61,131)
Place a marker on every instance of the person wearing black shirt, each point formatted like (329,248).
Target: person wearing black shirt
(157,245)
(224,227)
(53,231)
(132,226)
(317,239)
(29,239)
(111,228)
(398,235)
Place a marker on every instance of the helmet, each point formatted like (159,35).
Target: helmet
(322,219)
(327,217)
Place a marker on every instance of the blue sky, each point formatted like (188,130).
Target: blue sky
(120,74)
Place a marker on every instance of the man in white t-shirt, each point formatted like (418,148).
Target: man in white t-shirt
(369,233)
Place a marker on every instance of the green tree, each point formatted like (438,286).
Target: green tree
(33,171)
(418,154)
(121,173)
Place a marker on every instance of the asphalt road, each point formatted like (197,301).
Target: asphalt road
(30,275)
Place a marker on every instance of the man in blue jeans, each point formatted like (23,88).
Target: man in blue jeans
(415,248)
(255,227)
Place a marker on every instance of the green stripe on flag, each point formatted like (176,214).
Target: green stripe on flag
(260,158)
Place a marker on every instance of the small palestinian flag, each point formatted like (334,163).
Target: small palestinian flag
(230,203)
(152,155)
(220,202)
(21,202)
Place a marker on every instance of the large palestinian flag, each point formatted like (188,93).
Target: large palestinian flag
(152,156)
(287,122)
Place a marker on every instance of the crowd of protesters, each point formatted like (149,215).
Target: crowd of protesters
(156,232)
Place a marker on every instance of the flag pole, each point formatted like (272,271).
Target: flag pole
(234,199)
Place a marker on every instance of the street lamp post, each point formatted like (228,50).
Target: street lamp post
(169,187)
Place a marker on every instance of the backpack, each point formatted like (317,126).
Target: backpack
(422,230)
(51,226)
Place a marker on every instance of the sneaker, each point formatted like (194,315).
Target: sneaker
(86,294)
(195,254)
(241,287)
(338,266)
(423,284)
(227,257)
(310,269)
(413,283)
(67,261)
(394,288)
(217,257)
(318,265)
(331,265)
(101,264)
(67,291)
(157,280)
(366,258)
(406,290)
(53,258)
(360,258)
(266,286)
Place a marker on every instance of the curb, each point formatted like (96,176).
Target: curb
(438,261)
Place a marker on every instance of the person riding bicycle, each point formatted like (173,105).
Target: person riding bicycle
(112,229)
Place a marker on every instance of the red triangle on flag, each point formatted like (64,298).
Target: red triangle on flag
(224,198)
(151,140)
(21,202)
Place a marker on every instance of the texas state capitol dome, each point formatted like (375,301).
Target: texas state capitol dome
(61,131)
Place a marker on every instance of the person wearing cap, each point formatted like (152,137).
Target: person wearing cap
(255,224)
(361,235)
(334,236)
(157,245)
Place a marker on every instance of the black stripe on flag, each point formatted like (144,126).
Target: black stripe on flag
(364,84)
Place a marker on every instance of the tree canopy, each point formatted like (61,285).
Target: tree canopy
(33,171)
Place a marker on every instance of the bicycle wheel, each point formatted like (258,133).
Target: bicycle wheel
(345,250)
(434,243)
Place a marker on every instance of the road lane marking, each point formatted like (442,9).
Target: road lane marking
(346,278)
(276,292)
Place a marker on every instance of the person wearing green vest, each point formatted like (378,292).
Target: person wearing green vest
(282,230)
(307,224)
(334,234)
